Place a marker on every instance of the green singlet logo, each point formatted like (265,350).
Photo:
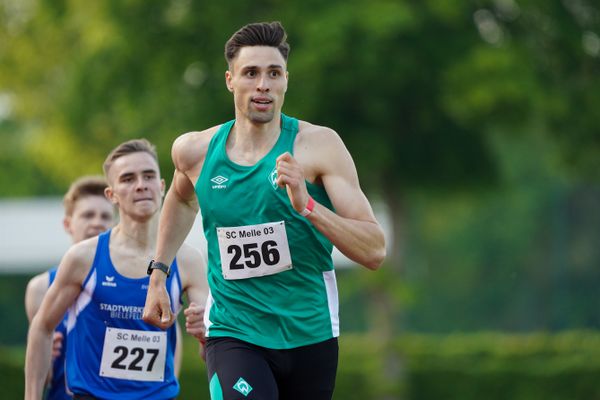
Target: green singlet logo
(273,178)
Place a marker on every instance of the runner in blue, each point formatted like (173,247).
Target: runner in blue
(87,213)
(276,195)
(103,281)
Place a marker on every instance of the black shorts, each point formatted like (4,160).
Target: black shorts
(240,370)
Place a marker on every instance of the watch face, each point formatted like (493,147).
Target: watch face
(149,270)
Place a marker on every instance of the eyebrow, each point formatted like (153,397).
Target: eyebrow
(129,174)
(272,66)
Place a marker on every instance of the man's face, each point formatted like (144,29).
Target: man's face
(258,80)
(91,216)
(135,186)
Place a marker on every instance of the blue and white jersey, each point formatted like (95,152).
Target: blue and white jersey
(57,389)
(112,353)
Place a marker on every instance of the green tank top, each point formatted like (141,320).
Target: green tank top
(270,271)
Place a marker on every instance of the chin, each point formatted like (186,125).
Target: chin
(261,118)
(92,234)
(142,216)
(145,212)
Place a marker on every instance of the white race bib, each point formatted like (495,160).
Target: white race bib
(134,355)
(254,250)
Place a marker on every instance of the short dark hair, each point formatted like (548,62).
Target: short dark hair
(258,34)
(129,147)
(83,187)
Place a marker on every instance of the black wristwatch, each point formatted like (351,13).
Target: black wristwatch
(158,265)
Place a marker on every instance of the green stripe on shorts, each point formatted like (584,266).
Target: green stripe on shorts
(216,393)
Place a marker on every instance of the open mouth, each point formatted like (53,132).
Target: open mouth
(262,101)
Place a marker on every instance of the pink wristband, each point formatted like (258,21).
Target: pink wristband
(310,206)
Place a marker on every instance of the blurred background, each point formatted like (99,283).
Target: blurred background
(473,129)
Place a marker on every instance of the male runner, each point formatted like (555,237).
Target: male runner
(111,352)
(87,213)
(276,194)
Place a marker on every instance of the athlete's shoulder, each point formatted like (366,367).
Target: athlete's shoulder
(41,280)
(310,132)
(191,147)
(81,254)
(320,150)
(317,138)
(34,293)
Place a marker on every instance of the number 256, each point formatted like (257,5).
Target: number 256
(252,256)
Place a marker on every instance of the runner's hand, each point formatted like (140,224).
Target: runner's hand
(194,321)
(157,310)
(291,176)
(57,341)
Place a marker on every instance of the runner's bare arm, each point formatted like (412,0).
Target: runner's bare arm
(192,267)
(177,217)
(178,350)
(34,294)
(72,271)
(321,156)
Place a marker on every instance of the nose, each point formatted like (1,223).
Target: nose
(140,184)
(100,223)
(263,84)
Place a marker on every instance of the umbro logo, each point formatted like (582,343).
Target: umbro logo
(109,281)
(219,181)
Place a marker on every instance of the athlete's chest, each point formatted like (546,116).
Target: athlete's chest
(119,298)
(221,178)
(231,199)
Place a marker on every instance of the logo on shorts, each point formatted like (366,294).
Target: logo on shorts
(218,181)
(242,386)
(109,281)
(273,178)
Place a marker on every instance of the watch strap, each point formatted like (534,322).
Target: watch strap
(158,265)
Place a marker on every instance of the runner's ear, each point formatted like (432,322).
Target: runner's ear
(67,225)
(110,195)
(228,81)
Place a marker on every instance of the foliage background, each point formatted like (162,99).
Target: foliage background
(473,125)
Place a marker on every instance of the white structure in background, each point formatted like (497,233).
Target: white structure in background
(32,238)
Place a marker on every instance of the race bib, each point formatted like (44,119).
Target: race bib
(254,250)
(134,355)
